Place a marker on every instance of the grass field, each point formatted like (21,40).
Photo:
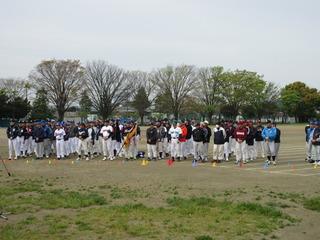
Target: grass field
(125,200)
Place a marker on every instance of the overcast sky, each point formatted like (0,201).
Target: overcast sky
(277,38)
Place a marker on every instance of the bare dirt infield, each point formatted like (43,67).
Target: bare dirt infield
(284,186)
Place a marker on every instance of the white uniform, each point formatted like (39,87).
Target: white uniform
(175,132)
(107,148)
(59,134)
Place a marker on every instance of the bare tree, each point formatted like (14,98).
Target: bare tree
(13,86)
(140,79)
(108,87)
(210,84)
(62,80)
(176,83)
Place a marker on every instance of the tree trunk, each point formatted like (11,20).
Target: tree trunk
(209,115)
(60,114)
(176,114)
(141,120)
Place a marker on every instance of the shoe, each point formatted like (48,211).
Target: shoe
(78,159)
(112,158)
(227,160)
(47,156)
(87,159)
(104,159)
(274,163)
(15,158)
(9,159)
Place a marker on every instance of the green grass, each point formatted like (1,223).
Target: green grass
(200,218)
(312,204)
(29,196)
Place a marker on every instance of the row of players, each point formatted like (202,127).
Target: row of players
(178,140)
(242,138)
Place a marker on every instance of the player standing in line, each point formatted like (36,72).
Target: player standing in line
(38,135)
(161,134)
(309,131)
(269,134)
(206,142)
(277,141)
(198,138)
(315,141)
(219,135)
(107,131)
(226,147)
(59,134)
(251,153)
(182,142)
(151,136)
(83,142)
(12,134)
(240,135)
(175,133)
(259,142)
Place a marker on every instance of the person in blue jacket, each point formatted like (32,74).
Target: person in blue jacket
(47,140)
(309,132)
(269,134)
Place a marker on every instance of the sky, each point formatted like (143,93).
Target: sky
(279,39)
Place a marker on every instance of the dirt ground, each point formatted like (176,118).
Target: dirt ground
(252,182)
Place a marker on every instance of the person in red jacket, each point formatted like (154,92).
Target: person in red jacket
(240,135)
(183,142)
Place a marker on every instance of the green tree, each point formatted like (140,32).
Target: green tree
(85,105)
(141,102)
(241,89)
(13,106)
(265,104)
(40,106)
(18,107)
(300,101)
(4,111)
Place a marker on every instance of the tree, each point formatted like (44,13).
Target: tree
(242,88)
(141,102)
(140,79)
(176,84)
(40,106)
(108,87)
(18,107)
(209,90)
(300,101)
(62,80)
(13,87)
(4,111)
(265,103)
(13,106)
(85,105)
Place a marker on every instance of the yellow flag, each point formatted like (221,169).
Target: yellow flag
(131,134)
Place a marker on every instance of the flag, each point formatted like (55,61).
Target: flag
(130,135)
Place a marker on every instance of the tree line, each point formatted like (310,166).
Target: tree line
(180,91)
